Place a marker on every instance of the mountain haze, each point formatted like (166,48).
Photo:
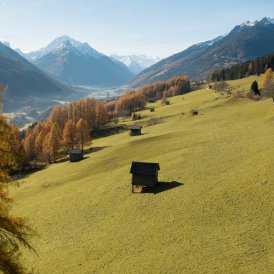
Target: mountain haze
(77,63)
(26,82)
(246,41)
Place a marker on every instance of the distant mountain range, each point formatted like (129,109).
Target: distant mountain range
(246,41)
(136,63)
(77,63)
(27,85)
(40,80)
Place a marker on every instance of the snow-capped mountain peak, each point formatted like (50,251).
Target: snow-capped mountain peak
(267,21)
(64,44)
(249,24)
(136,63)
(5,43)
(65,48)
(86,49)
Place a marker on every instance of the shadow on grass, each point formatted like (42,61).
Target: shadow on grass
(94,149)
(161,187)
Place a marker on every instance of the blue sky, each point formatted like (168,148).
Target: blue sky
(151,27)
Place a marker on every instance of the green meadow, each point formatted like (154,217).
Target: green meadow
(217,219)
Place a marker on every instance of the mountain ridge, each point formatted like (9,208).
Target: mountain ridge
(26,82)
(243,42)
(77,63)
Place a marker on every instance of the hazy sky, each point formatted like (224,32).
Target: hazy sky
(151,27)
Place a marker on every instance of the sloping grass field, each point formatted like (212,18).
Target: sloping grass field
(218,218)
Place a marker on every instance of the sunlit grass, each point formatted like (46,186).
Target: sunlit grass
(218,221)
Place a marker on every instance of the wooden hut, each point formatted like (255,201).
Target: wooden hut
(144,174)
(152,109)
(135,130)
(194,112)
(76,155)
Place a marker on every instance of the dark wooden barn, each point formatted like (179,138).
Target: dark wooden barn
(144,174)
(135,130)
(76,155)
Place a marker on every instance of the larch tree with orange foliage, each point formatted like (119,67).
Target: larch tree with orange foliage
(268,83)
(29,146)
(14,232)
(51,143)
(82,132)
(18,148)
(69,134)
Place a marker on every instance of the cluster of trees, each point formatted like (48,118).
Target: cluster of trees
(68,126)
(129,102)
(14,232)
(238,71)
(164,89)
(136,100)
(89,109)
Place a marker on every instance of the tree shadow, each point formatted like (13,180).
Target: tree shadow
(161,187)
(94,149)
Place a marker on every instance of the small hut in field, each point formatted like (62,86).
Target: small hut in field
(135,130)
(152,109)
(194,112)
(144,174)
(76,155)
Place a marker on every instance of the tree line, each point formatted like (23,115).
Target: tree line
(67,127)
(135,100)
(253,67)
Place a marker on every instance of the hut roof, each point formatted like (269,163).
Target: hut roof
(75,151)
(136,127)
(142,168)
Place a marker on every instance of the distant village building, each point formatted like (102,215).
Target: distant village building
(135,130)
(144,174)
(76,155)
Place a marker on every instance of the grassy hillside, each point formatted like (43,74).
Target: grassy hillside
(219,220)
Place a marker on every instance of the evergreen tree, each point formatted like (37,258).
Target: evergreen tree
(255,88)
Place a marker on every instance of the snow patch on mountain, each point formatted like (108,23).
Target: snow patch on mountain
(267,21)
(63,45)
(5,43)
(249,24)
(136,63)
(211,42)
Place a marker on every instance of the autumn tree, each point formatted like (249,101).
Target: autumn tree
(82,132)
(130,102)
(14,232)
(51,143)
(69,134)
(268,83)
(18,148)
(101,115)
(29,146)
(38,147)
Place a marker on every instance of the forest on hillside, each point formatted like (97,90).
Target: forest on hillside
(238,71)
(70,125)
